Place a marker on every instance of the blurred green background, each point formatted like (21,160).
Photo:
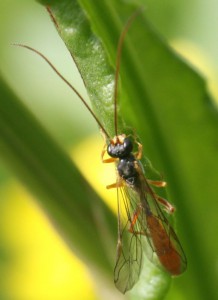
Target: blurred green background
(26,234)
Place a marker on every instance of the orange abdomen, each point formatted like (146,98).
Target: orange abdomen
(163,246)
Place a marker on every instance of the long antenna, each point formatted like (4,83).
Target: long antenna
(119,50)
(68,83)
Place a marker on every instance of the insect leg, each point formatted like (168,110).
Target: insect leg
(133,222)
(138,154)
(109,160)
(157,183)
(134,219)
(168,207)
(117,184)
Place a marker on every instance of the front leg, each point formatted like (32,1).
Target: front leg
(138,154)
(117,184)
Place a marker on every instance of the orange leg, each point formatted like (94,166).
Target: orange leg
(109,160)
(115,185)
(168,207)
(157,183)
(138,154)
(133,222)
(135,217)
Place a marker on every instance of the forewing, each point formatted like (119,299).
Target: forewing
(140,219)
(129,247)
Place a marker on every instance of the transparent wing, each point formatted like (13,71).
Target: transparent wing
(140,219)
(129,246)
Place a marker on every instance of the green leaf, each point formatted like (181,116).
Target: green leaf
(167,102)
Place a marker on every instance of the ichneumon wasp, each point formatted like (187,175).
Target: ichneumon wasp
(142,217)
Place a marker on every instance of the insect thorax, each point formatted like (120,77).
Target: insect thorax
(126,168)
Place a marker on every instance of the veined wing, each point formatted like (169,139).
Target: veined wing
(141,217)
(129,246)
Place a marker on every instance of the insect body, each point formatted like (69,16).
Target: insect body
(140,210)
(143,218)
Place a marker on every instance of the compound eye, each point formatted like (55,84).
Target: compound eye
(127,145)
(111,150)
